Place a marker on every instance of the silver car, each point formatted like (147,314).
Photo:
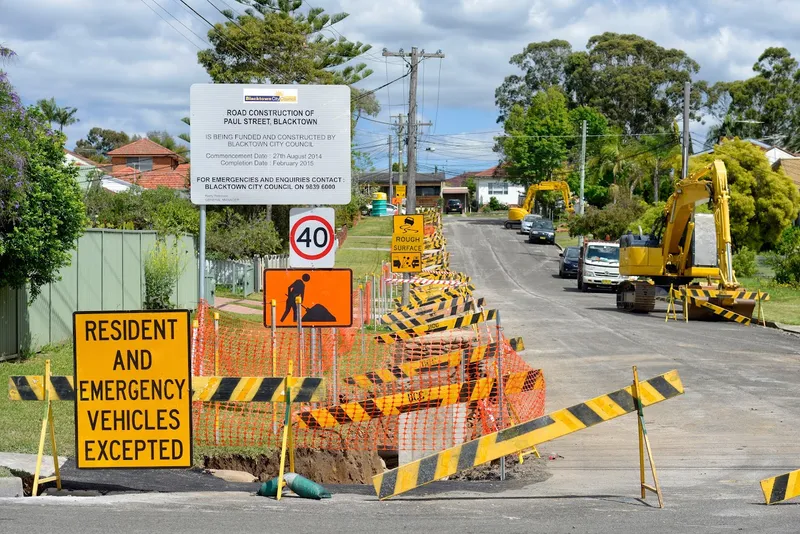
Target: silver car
(527,221)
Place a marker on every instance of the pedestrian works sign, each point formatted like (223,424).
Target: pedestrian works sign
(133,389)
(326,297)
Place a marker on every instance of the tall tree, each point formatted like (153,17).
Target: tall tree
(66,117)
(535,140)
(166,140)
(272,41)
(100,141)
(764,106)
(185,136)
(49,109)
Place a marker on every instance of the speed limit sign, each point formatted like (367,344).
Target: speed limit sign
(312,238)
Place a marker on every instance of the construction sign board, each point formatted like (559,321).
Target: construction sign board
(326,297)
(406,262)
(408,225)
(312,237)
(270,144)
(133,390)
(400,191)
(408,243)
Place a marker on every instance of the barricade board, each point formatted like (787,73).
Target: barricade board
(781,488)
(525,435)
(132,381)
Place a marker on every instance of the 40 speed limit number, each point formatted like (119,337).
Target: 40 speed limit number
(312,238)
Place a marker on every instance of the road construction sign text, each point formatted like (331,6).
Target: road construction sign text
(408,243)
(133,389)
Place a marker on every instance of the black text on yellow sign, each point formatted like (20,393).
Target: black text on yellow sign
(408,243)
(406,262)
(400,191)
(133,389)
(408,225)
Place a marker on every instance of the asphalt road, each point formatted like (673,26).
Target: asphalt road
(737,423)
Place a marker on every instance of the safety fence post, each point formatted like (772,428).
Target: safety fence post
(500,387)
(644,443)
(216,373)
(274,352)
(336,366)
(47,421)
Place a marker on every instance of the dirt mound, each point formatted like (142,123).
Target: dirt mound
(531,470)
(321,466)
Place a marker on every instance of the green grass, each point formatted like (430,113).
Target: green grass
(368,242)
(21,421)
(4,472)
(363,262)
(783,305)
(371,226)
(563,239)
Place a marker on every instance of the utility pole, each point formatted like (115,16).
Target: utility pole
(583,161)
(687,93)
(400,132)
(411,159)
(390,168)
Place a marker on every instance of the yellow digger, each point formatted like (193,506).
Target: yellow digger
(515,215)
(683,246)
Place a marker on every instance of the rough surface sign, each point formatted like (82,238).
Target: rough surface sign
(133,389)
(260,144)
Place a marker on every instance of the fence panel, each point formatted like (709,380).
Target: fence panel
(106,273)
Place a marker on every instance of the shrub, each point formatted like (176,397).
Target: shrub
(496,205)
(785,260)
(612,221)
(162,269)
(744,262)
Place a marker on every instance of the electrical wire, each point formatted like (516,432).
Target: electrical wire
(170,24)
(438,89)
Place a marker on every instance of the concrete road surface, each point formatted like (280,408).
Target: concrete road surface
(738,422)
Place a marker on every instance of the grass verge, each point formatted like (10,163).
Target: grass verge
(370,226)
(563,239)
(783,305)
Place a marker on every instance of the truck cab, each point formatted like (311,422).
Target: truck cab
(598,265)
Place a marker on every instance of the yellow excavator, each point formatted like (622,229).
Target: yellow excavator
(515,215)
(683,246)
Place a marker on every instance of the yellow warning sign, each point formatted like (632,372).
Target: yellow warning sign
(400,191)
(408,243)
(409,225)
(133,389)
(406,262)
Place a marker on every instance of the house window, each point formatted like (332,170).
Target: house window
(498,188)
(427,191)
(140,163)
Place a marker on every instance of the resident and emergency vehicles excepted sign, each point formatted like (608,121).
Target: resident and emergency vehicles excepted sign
(133,390)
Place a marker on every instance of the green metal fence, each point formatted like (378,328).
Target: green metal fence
(107,273)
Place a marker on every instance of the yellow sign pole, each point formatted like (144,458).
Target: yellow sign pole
(47,420)
(644,442)
(287,426)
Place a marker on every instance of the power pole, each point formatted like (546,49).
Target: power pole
(400,132)
(390,168)
(687,93)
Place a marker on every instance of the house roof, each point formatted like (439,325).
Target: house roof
(459,180)
(81,160)
(495,171)
(383,177)
(143,147)
(790,166)
(177,178)
(760,144)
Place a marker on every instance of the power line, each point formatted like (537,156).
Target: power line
(170,25)
(181,23)
(438,89)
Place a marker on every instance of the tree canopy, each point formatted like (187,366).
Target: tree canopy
(274,42)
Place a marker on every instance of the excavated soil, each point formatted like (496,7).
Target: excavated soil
(321,466)
(531,470)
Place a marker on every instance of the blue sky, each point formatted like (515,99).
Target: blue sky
(125,68)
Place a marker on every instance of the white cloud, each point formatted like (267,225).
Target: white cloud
(124,67)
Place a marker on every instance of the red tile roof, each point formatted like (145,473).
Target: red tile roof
(489,173)
(142,147)
(87,161)
(177,178)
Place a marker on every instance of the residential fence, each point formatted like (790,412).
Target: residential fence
(243,277)
(106,273)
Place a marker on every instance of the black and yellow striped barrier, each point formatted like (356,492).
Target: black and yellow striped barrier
(523,436)
(424,319)
(441,326)
(781,488)
(443,274)
(516,343)
(718,310)
(409,312)
(419,299)
(724,293)
(423,399)
(411,369)
(204,388)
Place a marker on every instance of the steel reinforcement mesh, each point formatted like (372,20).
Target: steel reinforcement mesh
(424,394)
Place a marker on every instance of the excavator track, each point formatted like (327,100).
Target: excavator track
(637,297)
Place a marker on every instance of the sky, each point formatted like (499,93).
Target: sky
(128,64)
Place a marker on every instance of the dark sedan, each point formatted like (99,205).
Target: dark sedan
(542,231)
(568,264)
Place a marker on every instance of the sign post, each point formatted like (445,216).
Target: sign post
(312,238)
(133,389)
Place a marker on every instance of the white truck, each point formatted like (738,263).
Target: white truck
(598,265)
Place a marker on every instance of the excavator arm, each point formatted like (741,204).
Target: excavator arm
(517,214)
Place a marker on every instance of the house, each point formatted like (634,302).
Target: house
(456,187)
(773,153)
(791,168)
(429,185)
(88,170)
(494,183)
(149,165)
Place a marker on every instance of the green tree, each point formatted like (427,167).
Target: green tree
(185,136)
(54,113)
(49,109)
(100,141)
(612,220)
(764,106)
(41,213)
(166,140)
(535,140)
(273,42)
(763,202)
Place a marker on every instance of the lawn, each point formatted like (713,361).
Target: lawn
(363,236)
(783,305)
(363,262)
(368,242)
(370,226)
(563,239)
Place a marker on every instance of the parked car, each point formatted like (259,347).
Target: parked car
(527,221)
(542,230)
(455,205)
(568,264)
(598,265)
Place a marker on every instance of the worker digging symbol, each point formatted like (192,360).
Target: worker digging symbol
(316,313)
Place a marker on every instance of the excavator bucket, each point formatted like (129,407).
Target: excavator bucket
(707,303)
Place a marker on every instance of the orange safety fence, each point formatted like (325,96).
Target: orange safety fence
(426,394)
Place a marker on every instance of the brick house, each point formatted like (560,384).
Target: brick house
(149,165)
